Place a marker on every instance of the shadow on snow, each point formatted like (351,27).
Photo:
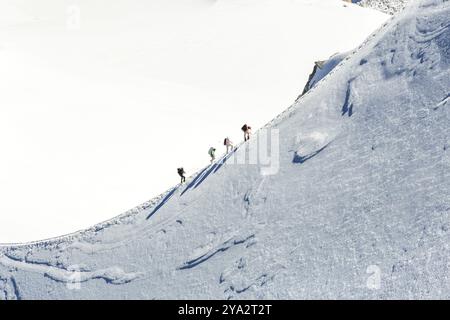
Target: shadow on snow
(195,182)
(302,159)
(163,202)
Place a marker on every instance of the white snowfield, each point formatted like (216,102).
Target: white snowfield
(358,208)
(100,102)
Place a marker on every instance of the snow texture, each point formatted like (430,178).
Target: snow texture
(387,6)
(359,207)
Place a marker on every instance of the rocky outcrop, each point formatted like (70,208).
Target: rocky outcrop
(321,69)
(387,6)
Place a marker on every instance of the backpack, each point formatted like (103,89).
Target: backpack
(244,127)
(180,171)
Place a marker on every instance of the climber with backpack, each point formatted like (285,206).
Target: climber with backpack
(227,142)
(247,130)
(181,174)
(212,154)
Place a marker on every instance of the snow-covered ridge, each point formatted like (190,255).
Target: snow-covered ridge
(336,61)
(132,70)
(358,209)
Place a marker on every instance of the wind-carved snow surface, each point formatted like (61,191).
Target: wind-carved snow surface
(359,207)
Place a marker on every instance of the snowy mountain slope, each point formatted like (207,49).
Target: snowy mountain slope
(387,6)
(101,103)
(358,208)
